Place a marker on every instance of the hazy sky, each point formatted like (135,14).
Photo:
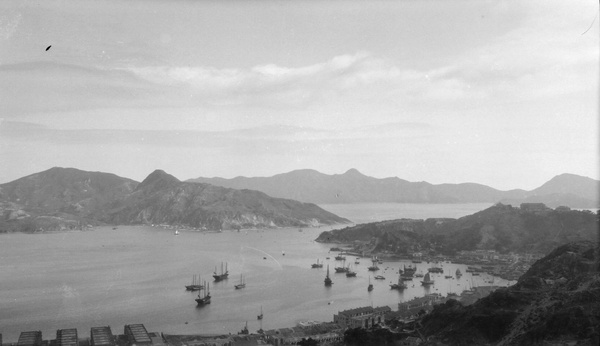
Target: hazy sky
(503,93)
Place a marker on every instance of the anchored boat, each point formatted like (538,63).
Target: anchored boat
(204,299)
(427,280)
(223,275)
(242,283)
(195,286)
(328,281)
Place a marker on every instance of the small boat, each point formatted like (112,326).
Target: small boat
(328,281)
(244,330)
(223,275)
(427,280)
(379,277)
(448,276)
(242,283)
(260,317)
(205,298)
(317,265)
(370,287)
(340,257)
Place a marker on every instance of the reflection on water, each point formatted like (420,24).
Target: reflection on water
(138,274)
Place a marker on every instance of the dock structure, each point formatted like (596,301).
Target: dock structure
(101,336)
(137,335)
(31,338)
(67,337)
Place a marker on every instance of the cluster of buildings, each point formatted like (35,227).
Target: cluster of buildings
(137,335)
(133,335)
(323,333)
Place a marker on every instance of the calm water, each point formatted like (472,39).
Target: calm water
(137,274)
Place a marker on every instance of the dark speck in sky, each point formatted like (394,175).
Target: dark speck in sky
(48,47)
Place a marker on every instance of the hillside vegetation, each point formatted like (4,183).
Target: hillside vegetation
(67,198)
(557,300)
(501,227)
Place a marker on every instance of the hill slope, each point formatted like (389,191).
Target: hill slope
(354,187)
(162,199)
(500,227)
(67,198)
(557,300)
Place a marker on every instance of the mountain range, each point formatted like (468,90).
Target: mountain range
(354,187)
(67,198)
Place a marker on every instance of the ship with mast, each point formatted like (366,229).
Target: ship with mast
(350,273)
(204,299)
(242,283)
(408,273)
(342,269)
(340,257)
(195,286)
(224,274)
(317,265)
(370,287)
(374,266)
(260,317)
(398,286)
(328,281)
(427,280)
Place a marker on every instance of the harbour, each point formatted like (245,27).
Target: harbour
(113,276)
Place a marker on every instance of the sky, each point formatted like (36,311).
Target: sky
(501,93)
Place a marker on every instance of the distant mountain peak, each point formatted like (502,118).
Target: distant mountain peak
(353,172)
(158,180)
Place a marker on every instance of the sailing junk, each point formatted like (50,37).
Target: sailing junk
(260,317)
(370,287)
(242,283)
(195,286)
(204,299)
(317,265)
(342,269)
(427,280)
(223,275)
(400,285)
(350,273)
(328,281)
(374,267)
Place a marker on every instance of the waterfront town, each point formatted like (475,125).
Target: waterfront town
(322,333)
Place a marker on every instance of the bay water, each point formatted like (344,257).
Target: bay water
(137,274)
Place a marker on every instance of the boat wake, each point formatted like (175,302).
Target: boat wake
(265,253)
